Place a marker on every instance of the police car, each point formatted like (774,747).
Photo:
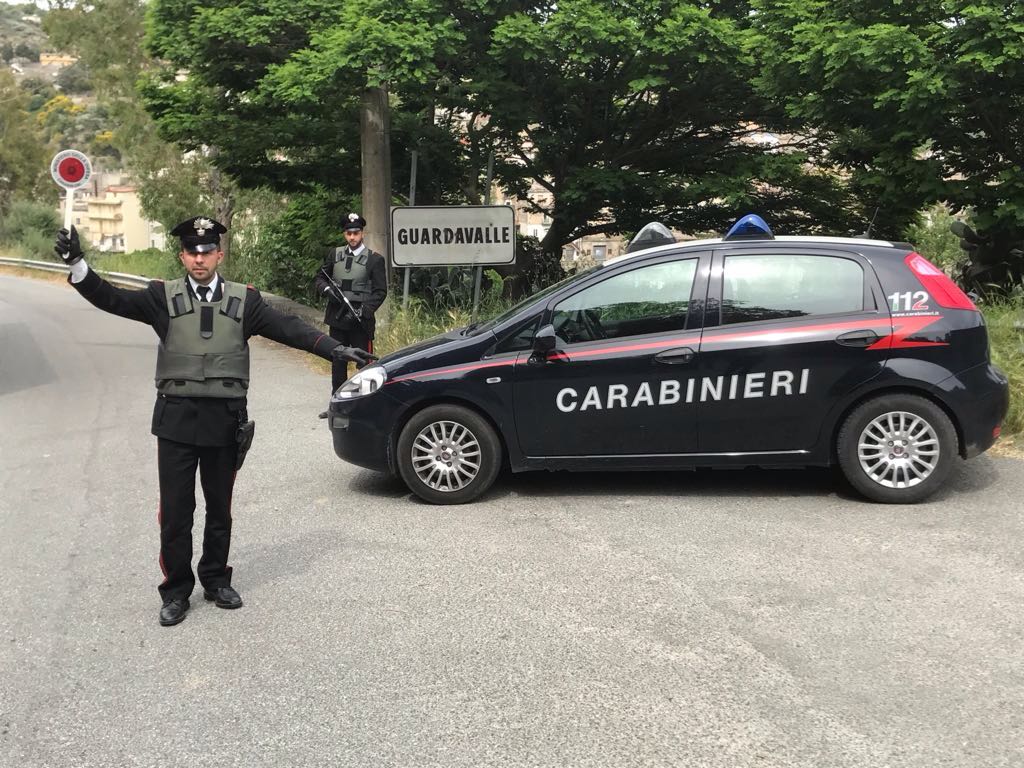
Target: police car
(750,350)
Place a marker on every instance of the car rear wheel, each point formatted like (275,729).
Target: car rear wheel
(897,449)
(448,454)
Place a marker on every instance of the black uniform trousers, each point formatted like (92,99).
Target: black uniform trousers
(195,433)
(177,463)
(350,337)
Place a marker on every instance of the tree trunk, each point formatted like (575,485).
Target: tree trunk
(375,129)
(222,193)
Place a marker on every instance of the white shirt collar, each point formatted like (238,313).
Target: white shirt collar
(357,251)
(212,286)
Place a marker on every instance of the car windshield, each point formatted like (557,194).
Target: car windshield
(483,327)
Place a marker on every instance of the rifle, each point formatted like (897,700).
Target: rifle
(338,292)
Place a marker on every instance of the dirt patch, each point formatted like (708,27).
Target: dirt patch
(36,274)
(1010,447)
(311,361)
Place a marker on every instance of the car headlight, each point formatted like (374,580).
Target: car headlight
(365,382)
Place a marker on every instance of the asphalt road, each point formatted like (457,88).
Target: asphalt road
(697,619)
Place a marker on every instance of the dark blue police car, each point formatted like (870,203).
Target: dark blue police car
(746,350)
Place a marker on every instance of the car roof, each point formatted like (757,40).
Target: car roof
(688,244)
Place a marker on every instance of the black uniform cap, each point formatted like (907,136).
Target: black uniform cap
(353,221)
(199,234)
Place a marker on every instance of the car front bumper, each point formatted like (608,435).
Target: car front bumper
(361,430)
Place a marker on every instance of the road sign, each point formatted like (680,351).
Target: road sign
(453,235)
(70,169)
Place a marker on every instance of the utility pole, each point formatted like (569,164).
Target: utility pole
(375,129)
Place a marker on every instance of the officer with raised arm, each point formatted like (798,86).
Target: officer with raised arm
(202,373)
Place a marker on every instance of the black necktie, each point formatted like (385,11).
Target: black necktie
(204,293)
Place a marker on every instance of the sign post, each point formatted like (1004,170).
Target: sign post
(480,270)
(412,202)
(71,170)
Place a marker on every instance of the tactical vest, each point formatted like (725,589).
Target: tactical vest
(204,353)
(352,273)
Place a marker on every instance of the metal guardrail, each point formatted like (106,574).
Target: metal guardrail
(309,314)
(134,281)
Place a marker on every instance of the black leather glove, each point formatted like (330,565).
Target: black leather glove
(341,353)
(68,247)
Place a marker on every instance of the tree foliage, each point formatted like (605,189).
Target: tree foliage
(23,153)
(640,110)
(625,111)
(172,185)
(919,100)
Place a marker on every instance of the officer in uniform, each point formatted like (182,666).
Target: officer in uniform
(202,374)
(357,274)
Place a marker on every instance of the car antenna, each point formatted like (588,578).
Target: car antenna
(867,235)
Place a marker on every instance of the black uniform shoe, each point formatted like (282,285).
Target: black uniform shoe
(226,597)
(174,612)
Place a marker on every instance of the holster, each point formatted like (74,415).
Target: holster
(246,430)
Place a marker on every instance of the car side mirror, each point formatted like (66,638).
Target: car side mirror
(544,342)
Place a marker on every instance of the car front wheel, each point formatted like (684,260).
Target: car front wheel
(448,454)
(897,449)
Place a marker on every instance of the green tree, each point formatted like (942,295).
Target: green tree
(624,111)
(917,101)
(172,185)
(632,111)
(276,89)
(23,153)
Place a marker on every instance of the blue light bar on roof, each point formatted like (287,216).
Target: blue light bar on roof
(750,227)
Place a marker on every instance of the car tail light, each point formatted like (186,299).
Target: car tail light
(938,284)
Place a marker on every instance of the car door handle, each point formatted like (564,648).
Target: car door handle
(675,356)
(860,338)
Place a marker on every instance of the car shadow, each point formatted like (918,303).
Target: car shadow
(379,484)
(967,478)
(700,482)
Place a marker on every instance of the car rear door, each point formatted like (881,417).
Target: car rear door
(789,330)
(615,384)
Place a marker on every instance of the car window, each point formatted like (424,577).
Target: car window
(484,327)
(773,286)
(651,299)
(520,338)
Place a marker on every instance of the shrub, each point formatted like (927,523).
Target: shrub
(29,228)
(933,239)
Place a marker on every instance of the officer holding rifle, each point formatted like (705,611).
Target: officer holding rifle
(354,280)
(202,376)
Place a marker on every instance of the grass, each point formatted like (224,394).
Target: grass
(1006,343)
(152,263)
(419,321)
